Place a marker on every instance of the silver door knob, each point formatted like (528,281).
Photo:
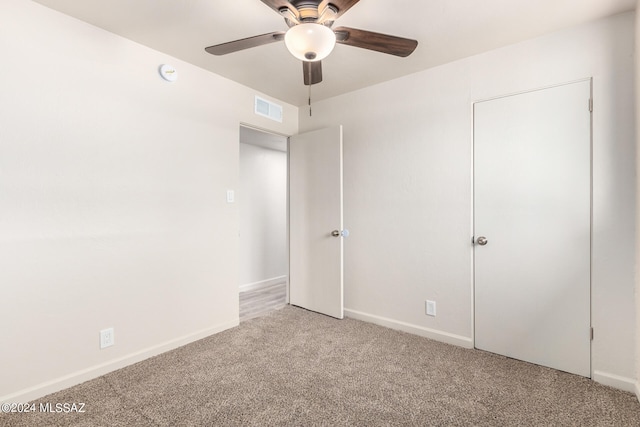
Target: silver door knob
(335,233)
(482,240)
(338,233)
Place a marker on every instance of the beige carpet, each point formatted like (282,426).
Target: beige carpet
(298,368)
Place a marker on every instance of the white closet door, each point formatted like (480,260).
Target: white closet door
(532,207)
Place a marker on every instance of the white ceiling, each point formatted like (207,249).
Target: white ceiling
(446,30)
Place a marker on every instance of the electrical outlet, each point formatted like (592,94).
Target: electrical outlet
(430,308)
(106,338)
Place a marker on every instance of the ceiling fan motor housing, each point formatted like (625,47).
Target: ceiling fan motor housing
(308,11)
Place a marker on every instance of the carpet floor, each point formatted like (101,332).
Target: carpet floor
(298,368)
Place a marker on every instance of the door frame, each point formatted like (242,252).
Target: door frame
(473,198)
(288,202)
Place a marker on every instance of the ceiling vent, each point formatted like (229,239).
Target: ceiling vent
(268,109)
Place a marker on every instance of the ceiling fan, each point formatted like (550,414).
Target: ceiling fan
(311,38)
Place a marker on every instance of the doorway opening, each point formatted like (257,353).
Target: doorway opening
(262,205)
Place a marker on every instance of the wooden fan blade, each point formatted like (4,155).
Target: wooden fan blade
(278,5)
(249,42)
(312,72)
(384,43)
(342,5)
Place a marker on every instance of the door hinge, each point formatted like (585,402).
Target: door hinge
(591,334)
(591,105)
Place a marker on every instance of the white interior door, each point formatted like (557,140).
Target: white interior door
(315,216)
(532,204)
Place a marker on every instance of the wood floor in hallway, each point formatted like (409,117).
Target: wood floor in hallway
(258,302)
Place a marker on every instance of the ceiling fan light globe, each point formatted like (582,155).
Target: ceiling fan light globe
(310,42)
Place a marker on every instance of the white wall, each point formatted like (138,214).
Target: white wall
(408,185)
(113,205)
(637,93)
(262,203)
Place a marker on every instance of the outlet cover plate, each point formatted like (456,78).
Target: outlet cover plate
(106,338)
(430,308)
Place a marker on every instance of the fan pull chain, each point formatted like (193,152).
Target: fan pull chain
(309,91)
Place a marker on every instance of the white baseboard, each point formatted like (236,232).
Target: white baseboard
(262,284)
(616,381)
(412,329)
(43,389)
